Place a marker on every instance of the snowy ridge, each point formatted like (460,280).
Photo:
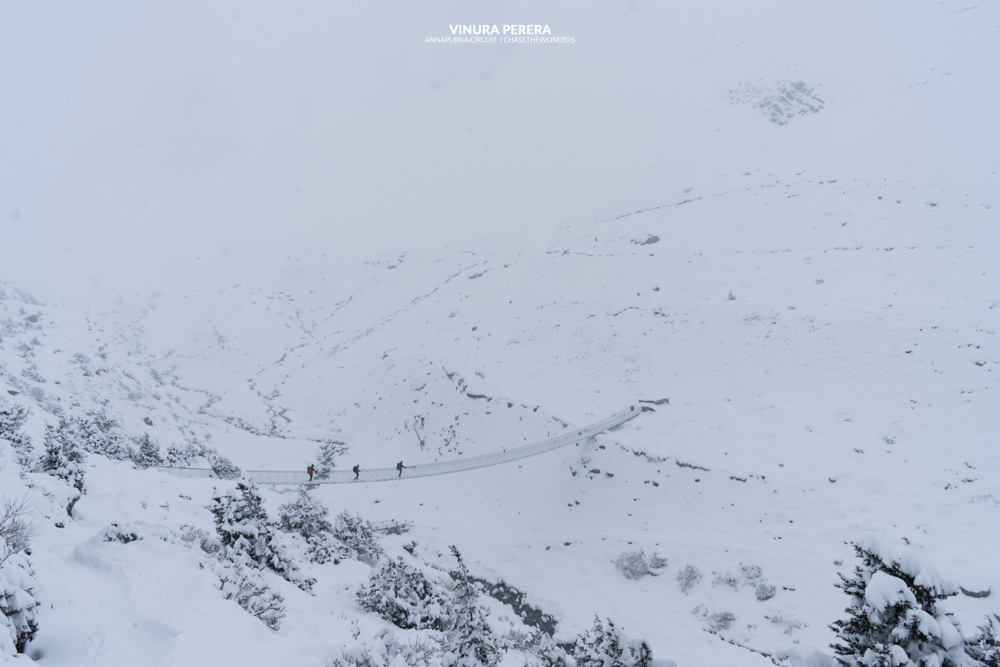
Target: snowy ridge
(422,469)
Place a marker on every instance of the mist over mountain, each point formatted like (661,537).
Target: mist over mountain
(242,241)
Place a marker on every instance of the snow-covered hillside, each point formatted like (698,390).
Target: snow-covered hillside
(801,257)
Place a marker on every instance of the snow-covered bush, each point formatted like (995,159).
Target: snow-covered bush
(765,591)
(17,592)
(305,515)
(248,591)
(634,565)
(688,578)
(386,649)
(62,458)
(247,537)
(358,536)
(123,534)
(469,642)
(11,421)
(18,603)
(896,616)
(100,435)
(147,452)
(535,643)
(191,535)
(405,597)
(985,646)
(180,456)
(719,621)
(605,645)
(223,467)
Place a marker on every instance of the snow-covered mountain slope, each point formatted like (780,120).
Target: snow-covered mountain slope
(781,219)
(818,389)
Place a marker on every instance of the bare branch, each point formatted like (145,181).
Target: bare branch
(15,527)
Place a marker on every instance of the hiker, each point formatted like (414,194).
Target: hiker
(356,469)
(399,467)
(310,471)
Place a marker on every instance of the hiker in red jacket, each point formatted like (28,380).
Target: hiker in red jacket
(310,471)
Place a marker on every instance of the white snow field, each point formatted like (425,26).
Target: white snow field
(294,227)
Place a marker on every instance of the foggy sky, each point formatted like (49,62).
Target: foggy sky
(134,136)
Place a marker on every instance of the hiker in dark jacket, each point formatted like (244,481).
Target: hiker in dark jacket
(399,467)
(356,470)
(310,471)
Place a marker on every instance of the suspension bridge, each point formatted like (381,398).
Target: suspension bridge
(423,469)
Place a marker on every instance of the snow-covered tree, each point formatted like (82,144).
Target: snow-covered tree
(985,646)
(223,467)
(358,536)
(11,421)
(404,596)
(147,452)
(247,537)
(305,515)
(247,590)
(63,458)
(18,624)
(896,616)
(469,642)
(606,645)
(100,435)
(18,603)
(535,643)
(329,450)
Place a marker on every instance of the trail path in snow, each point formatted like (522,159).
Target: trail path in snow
(424,469)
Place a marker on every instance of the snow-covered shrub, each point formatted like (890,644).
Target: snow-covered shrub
(688,578)
(358,536)
(535,643)
(322,548)
(223,467)
(634,565)
(100,435)
(247,537)
(386,649)
(147,452)
(62,458)
(722,620)
(17,592)
(11,422)
(179,456)
(750,575)
(469,642)
(896,616)
(656,563)
(765,591)
(605,645)
(190,536)
(325,459)
(123,534)
(305,515)
(18,603)
(985,646)
(248,591)
(405,597)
